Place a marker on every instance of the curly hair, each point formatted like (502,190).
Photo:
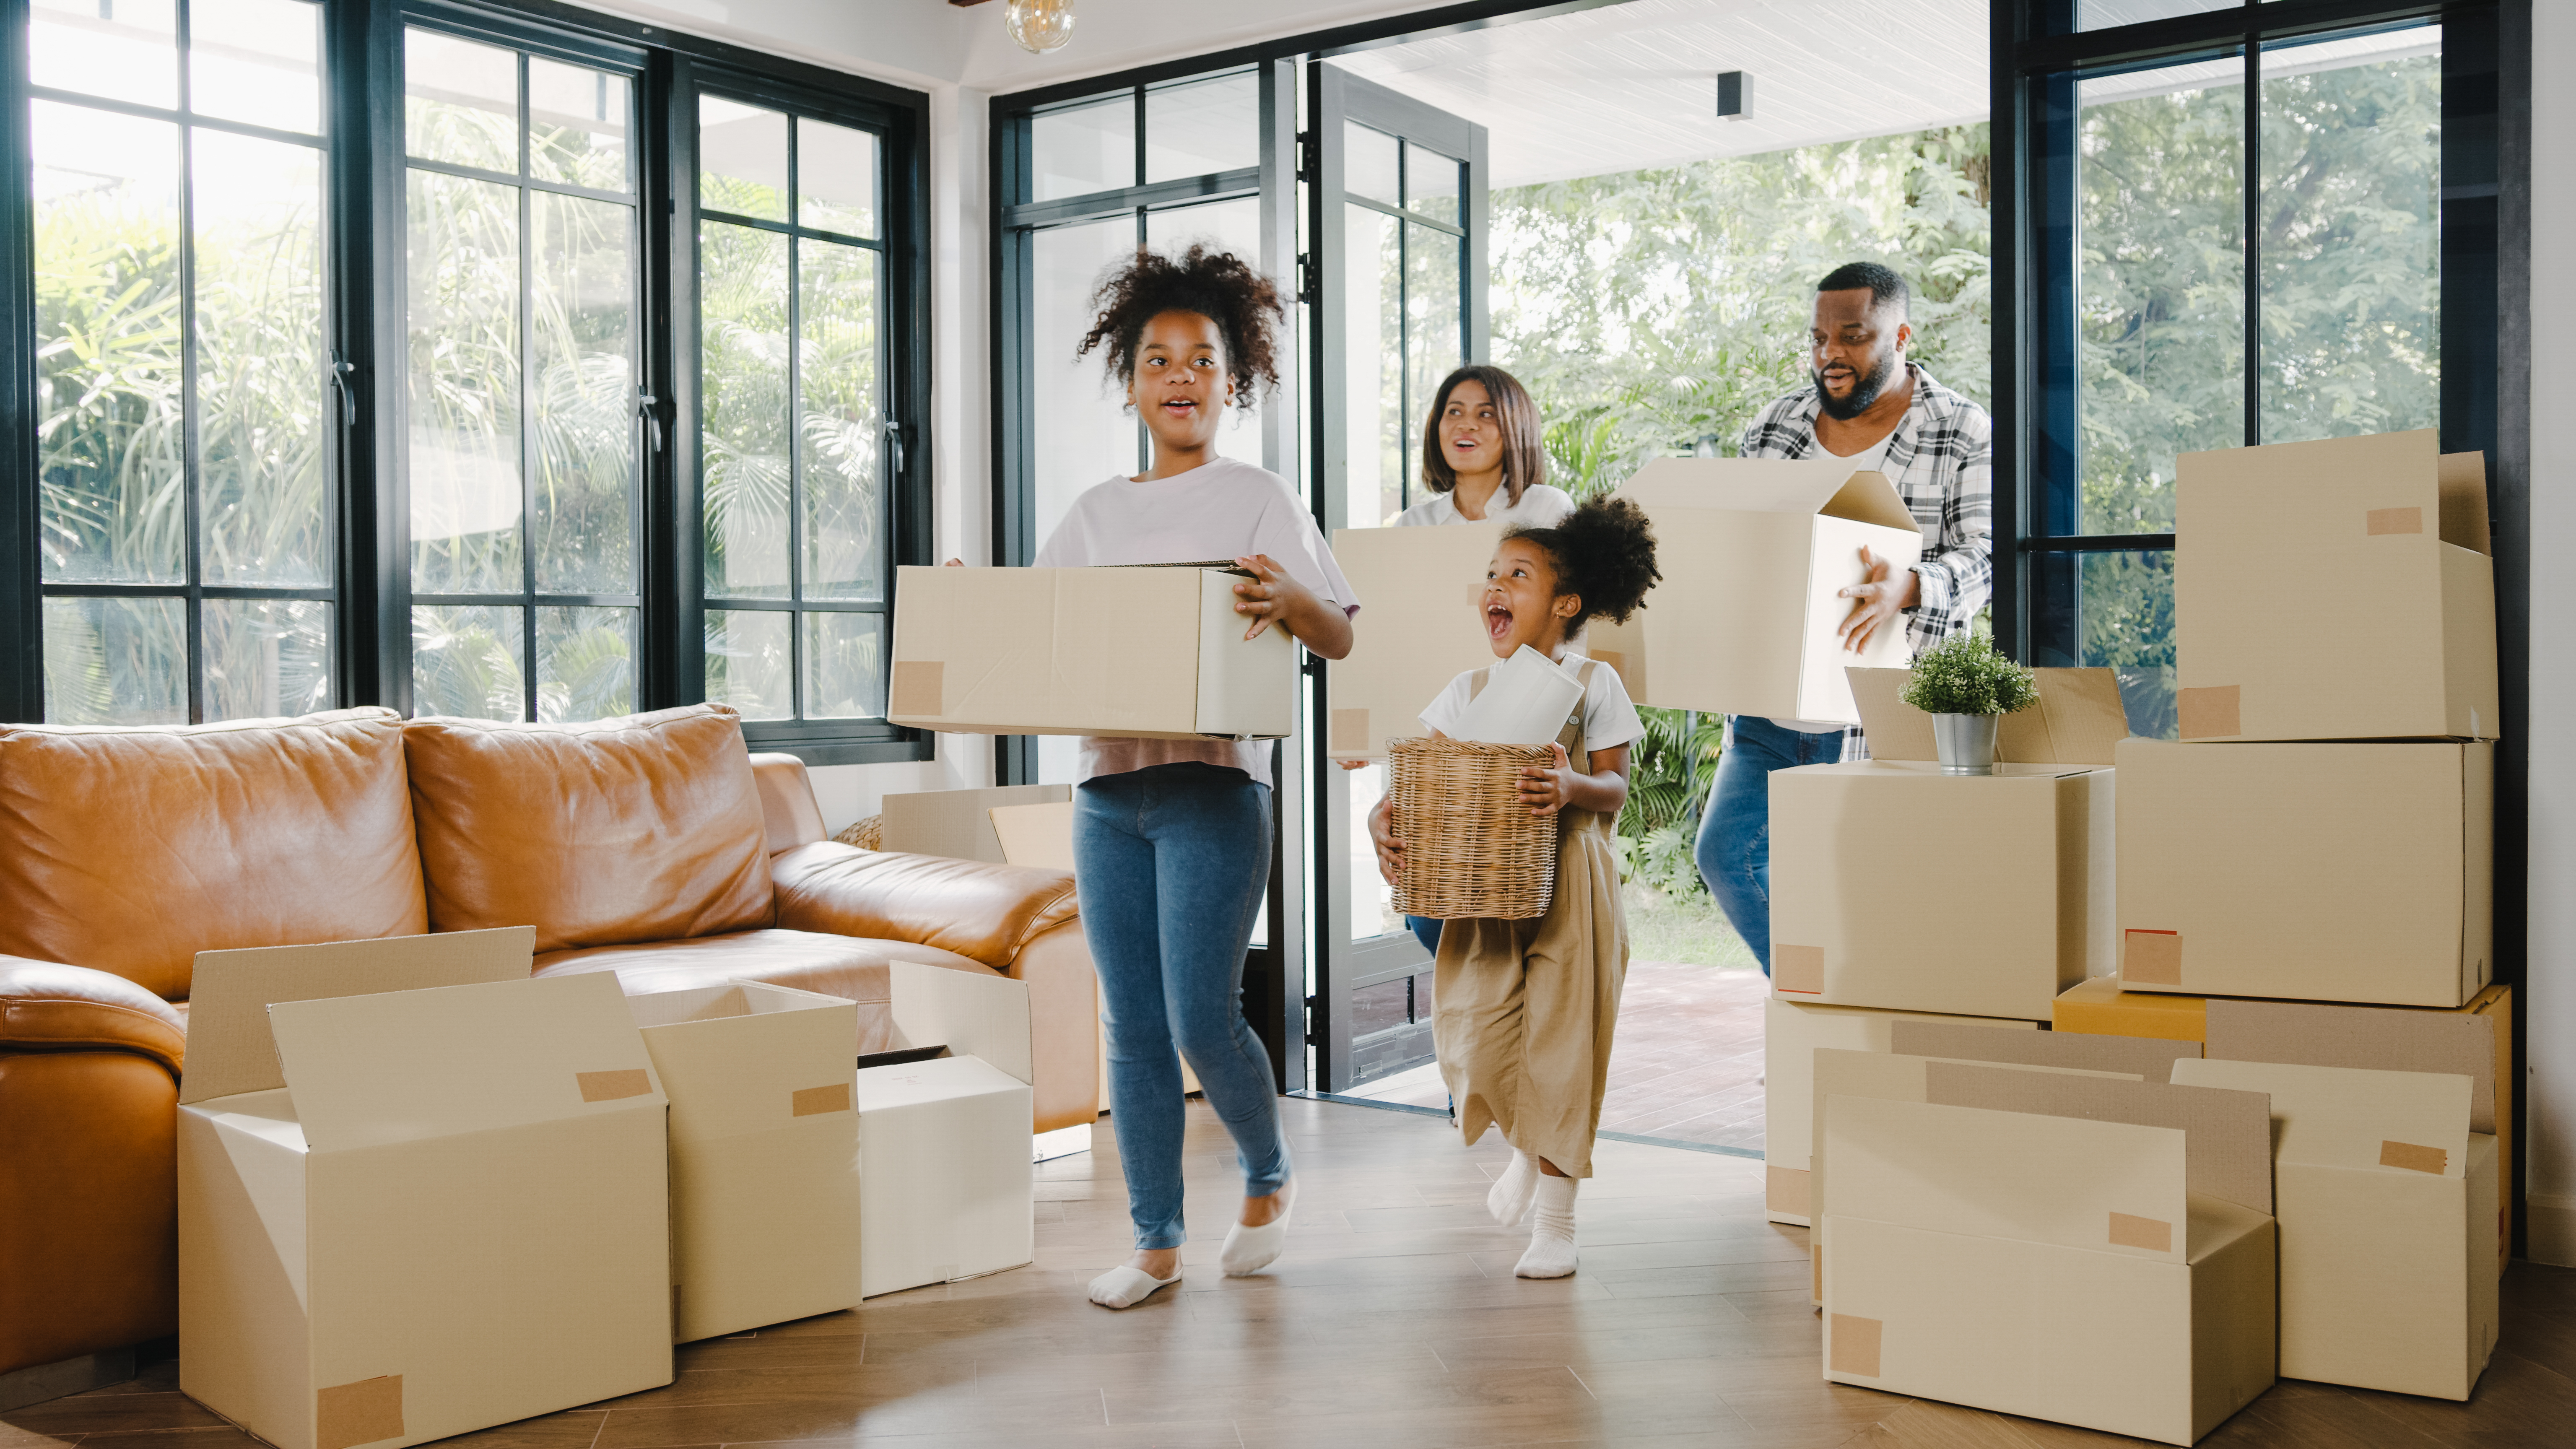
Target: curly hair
(1219,286)
(1604,553)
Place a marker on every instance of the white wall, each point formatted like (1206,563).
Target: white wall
(2549,992)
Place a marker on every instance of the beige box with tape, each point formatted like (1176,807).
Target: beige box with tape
(2263,534)
(419,1193)
(2389,1215)
(1424,629)
(2314,872)
(946,1190)
(1855,915)
(2094,1252)
(1753,552)
(764,1152)
(1792,1031)
(1156,653)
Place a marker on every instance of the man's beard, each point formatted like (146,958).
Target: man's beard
(1864,392)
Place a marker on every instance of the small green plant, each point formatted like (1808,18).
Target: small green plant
(1964,675)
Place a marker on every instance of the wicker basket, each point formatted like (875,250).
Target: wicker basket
(1471,848)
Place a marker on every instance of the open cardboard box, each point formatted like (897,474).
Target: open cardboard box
(1851,899)
(2312,872)
(764,1152)
(1423,629)
(1151,652)
(2087,1250)
(1753,552)
(2263,533)
(945,1185)
(1792,1031)
(419,1193)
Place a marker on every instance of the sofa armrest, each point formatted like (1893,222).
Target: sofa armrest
(977,909)
(47,1006)
(788,811)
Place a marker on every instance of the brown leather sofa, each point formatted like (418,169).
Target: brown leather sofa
(652,846)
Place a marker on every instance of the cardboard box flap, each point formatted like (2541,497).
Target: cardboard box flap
(2227,1134)
(2353,1116)
(1828,486)
(971,1013)
(406,1066)
(2464,501)
(230,1050)
(2102,1186)
(747,1057)
(2382,1038)
(2142,1057)
(2079,719)
(1421,585)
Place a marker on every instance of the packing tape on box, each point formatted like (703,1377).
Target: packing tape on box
(2396,520)
(2153,1234)
(612,1086)
(1798,968)
(1856,1345)
(359,1413)
(1350,729)
(2212,712)
(920,687)
(2413,1158)
(814,1101)
(2151,958)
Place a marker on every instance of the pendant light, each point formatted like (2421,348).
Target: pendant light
(1039,25)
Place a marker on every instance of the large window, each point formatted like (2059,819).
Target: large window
(355,357)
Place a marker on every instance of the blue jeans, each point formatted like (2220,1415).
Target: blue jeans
(1734,849)
(1426,930)
(1170,863)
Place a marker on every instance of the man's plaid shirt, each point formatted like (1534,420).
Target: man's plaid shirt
(1941,459)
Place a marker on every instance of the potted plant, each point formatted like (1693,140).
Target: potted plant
(1968,688)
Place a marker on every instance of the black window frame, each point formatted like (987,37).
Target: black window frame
(364,166)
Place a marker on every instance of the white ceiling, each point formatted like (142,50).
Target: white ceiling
(1631,86)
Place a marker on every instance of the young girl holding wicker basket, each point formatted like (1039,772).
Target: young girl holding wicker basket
(1523,1008)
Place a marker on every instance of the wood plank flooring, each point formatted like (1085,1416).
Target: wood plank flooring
(1392,1323)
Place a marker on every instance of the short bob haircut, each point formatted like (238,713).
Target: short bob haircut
(1524,452)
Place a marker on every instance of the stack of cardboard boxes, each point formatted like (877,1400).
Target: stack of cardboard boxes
(2274,1136)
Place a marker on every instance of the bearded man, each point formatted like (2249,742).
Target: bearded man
(1870,407)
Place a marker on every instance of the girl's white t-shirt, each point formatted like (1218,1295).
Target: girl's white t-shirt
(1542,505)
(1222,509)
(1609,719)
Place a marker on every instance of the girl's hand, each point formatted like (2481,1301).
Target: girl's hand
(1546,788)
(1390,851)
(1271,595)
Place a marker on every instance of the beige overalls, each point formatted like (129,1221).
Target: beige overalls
(1522,1011)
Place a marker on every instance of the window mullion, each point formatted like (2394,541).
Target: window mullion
(191,413)
(795,454)
(527,408)
(2253,236)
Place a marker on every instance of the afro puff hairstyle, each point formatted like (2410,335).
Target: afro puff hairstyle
(1216,285)
(1604,553)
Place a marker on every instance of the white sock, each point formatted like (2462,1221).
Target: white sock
(1509,1202)
(1125,1286)
(1249,1250)
(1551,1249)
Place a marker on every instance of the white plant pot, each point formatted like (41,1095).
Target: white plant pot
(1966,742)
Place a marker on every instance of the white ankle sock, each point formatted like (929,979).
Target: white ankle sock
(1249,1250)
(1551,1249)
(1125,1286)
(1509,1202)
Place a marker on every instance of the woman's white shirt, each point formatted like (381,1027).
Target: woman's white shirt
(1609,718)
(1542,505)
(1222,509)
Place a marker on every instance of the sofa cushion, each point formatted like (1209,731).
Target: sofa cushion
(646,828)
(849,967)
(130,850)
(971,907)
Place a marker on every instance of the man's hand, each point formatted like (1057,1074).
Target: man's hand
(1880,602)
(1545,788)
(1390,851)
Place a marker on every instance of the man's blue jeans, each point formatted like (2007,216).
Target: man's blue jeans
(1734,850)
(1170,863)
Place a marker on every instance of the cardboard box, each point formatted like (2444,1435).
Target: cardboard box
(2310,872)
(2262,534)
(2388,1206)
(1791,1033)
(1152,652)
(945,1178)
(1753,551)
(413,1214)
(959,823)
(2090,1270)
(1424,629)
(1852,905)
(764,1152)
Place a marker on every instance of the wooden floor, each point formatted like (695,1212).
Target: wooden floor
(1392,1323)
(1687,1065)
